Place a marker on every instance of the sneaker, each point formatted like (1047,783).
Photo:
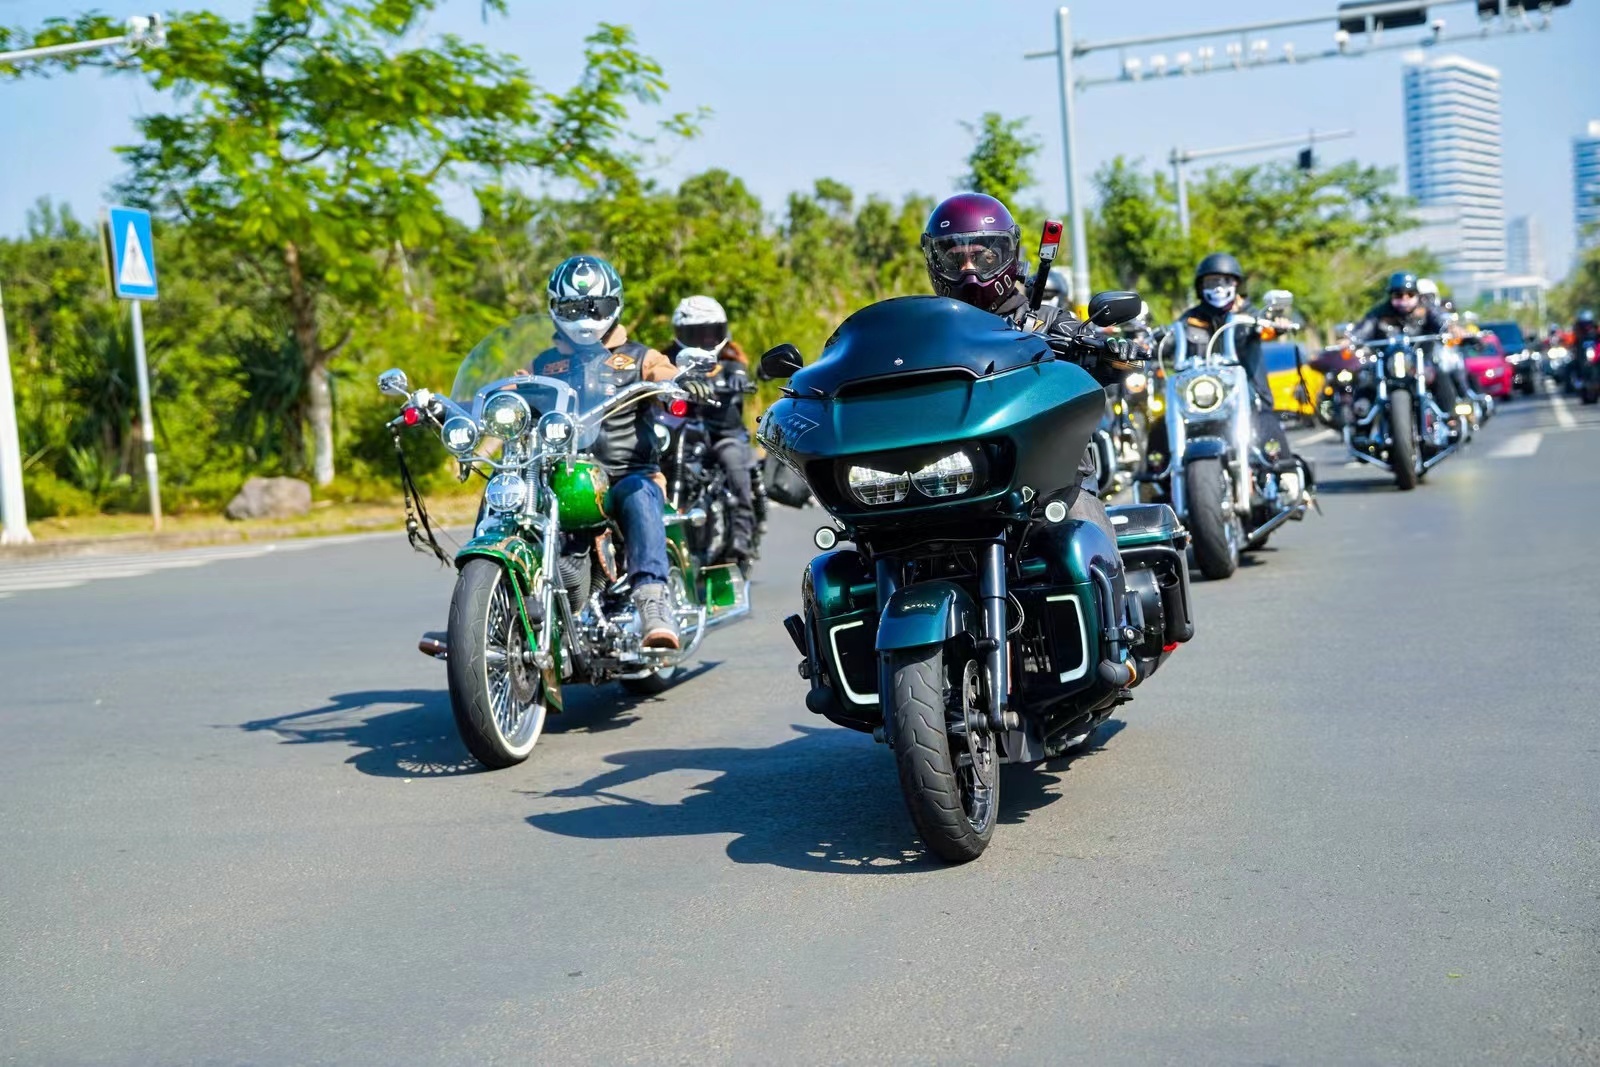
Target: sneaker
(655,616)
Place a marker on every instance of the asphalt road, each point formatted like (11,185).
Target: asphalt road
(1356,820)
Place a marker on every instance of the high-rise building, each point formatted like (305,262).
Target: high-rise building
(1524,247)
(1586,185)
(1453,159)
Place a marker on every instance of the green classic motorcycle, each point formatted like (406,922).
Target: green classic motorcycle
(970,622)
(541,600)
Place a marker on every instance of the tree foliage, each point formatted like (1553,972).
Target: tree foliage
(1001,161)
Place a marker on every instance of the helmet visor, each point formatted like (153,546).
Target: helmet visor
(984,254)
(586,307)
(1217,281)
(706,335)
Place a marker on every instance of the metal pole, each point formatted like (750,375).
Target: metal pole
(147,422)
(1080,240)
(1180,179)
(13,506)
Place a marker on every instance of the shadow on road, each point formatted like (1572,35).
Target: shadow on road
(419,739)
(825,800)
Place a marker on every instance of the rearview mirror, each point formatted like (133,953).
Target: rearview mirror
(781,362)
(1114,308)
(394,382)
(1278,301)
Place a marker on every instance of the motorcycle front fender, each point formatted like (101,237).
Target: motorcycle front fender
(507,545)
(928,613)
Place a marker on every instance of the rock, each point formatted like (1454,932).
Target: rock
(270,498)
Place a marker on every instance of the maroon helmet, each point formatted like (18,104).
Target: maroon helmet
(970,244)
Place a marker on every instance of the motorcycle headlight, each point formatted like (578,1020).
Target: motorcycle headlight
(1205,393)
(460,435)
(506,492)
(555,428)
(873,487)
(950,476)
(1397,365)
(1557,352)
(506,416)
(1346,376)
(1135,382)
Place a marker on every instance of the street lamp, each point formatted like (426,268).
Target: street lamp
(143,31)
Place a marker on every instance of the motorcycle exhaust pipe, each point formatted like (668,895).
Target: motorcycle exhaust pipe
(1265,529)
(434,646)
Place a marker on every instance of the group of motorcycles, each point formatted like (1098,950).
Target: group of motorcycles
(955,610)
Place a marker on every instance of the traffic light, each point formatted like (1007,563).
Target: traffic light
(1353,19)
(1308,160)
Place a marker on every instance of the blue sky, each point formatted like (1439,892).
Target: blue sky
(873,92)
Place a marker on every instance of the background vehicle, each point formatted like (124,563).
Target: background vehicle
(1523,359)
(1487,365)
(540,599)
(970,623)
(1220,478)
(1398,426)
(1296,382)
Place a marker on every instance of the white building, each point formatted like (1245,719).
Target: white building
(1586,185)
(1453,159)
(1524,247)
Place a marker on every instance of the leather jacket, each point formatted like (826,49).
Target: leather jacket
(627,443)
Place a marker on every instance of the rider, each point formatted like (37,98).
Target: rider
(585,300)
(1584,331)
(1219,283)
(700,322)
(1405,312)
(1448,357)
(971,247)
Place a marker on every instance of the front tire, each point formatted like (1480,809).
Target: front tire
(497,698)
(1402,441)
(949,775)
(1217,536)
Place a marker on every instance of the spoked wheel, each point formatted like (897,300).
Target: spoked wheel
(944,750)
(496,694)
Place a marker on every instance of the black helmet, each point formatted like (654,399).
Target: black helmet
(1219,263)
(1403,281)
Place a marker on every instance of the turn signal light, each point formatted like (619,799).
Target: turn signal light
(411,415)
(678,408)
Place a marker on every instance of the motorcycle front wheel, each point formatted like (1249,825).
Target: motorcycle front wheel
(497,697)
(949,773)
(1402,441)
(1217,536)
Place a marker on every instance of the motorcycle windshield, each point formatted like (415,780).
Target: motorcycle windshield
(522,356)
(917,335)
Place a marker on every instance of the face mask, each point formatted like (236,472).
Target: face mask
(583,332)
(1220,297)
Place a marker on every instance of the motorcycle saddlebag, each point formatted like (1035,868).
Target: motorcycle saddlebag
(783,484)
(1153,545)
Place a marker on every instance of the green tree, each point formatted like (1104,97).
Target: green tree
(311,141)
(1000,163)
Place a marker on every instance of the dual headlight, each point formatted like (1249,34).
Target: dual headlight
(949,476)
(1205,393)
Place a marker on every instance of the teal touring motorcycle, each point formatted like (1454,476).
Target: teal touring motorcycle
(542,599)
(970,623)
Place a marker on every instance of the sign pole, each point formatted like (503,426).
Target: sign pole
(13,506)
(147,423)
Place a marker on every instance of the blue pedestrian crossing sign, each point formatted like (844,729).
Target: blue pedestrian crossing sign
(133,254)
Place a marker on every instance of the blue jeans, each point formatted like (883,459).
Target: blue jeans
(639,506)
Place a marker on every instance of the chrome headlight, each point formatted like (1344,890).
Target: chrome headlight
(873,487)
(1397,365)
(506,492)
(950,476)
(1346,376)
(1205,393)
(1135,382)
(506,416)
(460,435)
(556,429)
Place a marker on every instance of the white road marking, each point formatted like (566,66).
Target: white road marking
(1319,437)
(1519,447)
(1564,417)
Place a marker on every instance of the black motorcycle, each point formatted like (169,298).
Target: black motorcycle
(696,482)
(1398,426)
(970,623)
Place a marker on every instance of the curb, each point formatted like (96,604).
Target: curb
(125,544)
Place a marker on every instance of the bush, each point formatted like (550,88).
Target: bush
(48,497)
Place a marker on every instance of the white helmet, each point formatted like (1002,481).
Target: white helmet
(585,299)
(1427,290)
(700,322)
